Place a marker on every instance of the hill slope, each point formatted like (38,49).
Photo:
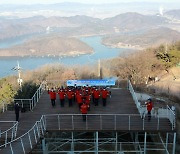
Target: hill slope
(48,46)
(150,38)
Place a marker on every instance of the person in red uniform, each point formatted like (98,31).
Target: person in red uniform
(104,94)
(52,94)
(70,97)
(87,99)
(79,99)
(84,110)
(149,106)
(61,97)
(96,94)
(92,93)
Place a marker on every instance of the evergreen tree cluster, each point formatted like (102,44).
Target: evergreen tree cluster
(28,90)
(169,55)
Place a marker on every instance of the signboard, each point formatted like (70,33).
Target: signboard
(97,82)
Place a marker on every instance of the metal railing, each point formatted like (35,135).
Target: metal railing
(171,116)
(3,107)
(99,122)
(33,101)
(9,134)
(116,147)
(138,105)
(27,103)
(25,143)
(160,113)
(71,122)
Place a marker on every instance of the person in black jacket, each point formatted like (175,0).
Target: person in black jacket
(17,109)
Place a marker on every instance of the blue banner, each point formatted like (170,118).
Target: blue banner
(91,82)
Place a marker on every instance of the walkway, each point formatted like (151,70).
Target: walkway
(121,102)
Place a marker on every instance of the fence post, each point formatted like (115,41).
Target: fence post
(72,122)
(22,103)
(30,140)
(143,123)
(6,139)
(31,105)
(128,84)
(174,144)
(86,122)
(129,122)
(101,122)
(16,129)
(115,122)
(158,123)
(37,96)
(34,100)
(3,107)
(12,133)
(145,137)
(37,127)
(35,134)
(40,91)
(41,127)
(12,152)
(44,122)
(59,122)
(22,146)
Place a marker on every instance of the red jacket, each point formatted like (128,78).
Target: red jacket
(61,94)
(70,94)
(105,93)
(96,94)
(79,98)
(87,99)
(52,94)
(77,92)
(149,106)
(84,109)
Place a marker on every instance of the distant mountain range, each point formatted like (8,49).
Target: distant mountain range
(133,21)
(95,10)
(175,14)
(78,25)
(131,28)
(151,38)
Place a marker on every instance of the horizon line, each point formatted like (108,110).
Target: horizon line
(89,3)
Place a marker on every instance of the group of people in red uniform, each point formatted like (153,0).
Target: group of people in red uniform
(83,96)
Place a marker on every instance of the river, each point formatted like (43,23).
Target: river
(29,63)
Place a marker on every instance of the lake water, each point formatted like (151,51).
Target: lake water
(29,63)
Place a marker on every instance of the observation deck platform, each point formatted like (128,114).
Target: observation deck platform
(120,114)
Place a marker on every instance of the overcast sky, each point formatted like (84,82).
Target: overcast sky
(81,1)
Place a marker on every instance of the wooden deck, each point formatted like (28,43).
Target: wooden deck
(121,102)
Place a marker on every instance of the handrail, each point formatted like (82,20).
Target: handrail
(4,108)
(16,123)
(33,101)
(138,105)
(91,114)
(167,112)
(100,119)
(31,137)
(12,131)
(170,110)
(171,116)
